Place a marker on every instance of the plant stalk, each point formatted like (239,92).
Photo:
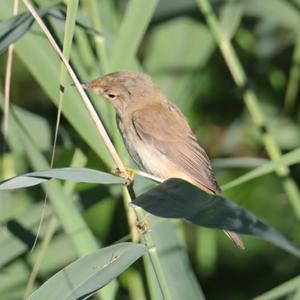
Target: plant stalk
(251,102)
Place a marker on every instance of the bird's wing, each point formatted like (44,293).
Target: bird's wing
(162,126)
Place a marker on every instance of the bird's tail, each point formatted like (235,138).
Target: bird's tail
(235,238)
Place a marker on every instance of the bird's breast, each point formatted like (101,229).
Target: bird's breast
(130,139)
(145,156)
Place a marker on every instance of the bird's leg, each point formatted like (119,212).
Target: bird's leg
(143,226)
(130,174)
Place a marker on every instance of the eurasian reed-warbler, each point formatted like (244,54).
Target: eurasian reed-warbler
(156,133)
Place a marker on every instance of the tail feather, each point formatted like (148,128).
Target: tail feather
(235,238)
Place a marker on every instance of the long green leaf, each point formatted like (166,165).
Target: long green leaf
(74,174)
(88,274)
(176,198)
(137,17)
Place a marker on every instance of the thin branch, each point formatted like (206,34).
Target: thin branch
(81,91)
(7,84)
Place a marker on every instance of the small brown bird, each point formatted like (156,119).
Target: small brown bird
(156,133)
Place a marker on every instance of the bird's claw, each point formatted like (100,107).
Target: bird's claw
(128,175)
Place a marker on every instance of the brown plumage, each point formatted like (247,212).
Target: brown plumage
(156,133)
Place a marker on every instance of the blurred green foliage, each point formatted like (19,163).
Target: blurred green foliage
(171,41)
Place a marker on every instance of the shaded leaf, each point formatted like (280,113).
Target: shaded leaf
(14,28)
(283,291)
(88,274)
(13,244)
(175,265)
(74,174)
(176,198)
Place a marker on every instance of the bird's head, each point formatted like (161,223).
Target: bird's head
(122,89)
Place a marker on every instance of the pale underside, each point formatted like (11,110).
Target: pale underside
(166,146)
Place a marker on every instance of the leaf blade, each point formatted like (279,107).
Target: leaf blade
(90,273)
(85,175)
(176,198)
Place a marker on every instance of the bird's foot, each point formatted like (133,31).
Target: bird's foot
(143,226)
(128,175)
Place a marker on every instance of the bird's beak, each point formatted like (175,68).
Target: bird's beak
(85,85)
(93,85)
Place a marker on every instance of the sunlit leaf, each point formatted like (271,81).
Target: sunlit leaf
(73,174)
(88,274)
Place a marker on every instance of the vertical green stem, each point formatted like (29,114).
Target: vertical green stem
(251,101)
(99,40)
(7,85)
(148,241)
(294,77)
(72,6)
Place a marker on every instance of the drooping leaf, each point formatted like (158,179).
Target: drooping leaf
(74,174)
(14,28)
(88,274)
(176,198)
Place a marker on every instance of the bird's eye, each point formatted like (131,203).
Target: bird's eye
(111,96)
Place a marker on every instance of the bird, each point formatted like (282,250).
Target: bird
(156,133)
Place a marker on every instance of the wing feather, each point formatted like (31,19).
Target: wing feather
(162,126)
